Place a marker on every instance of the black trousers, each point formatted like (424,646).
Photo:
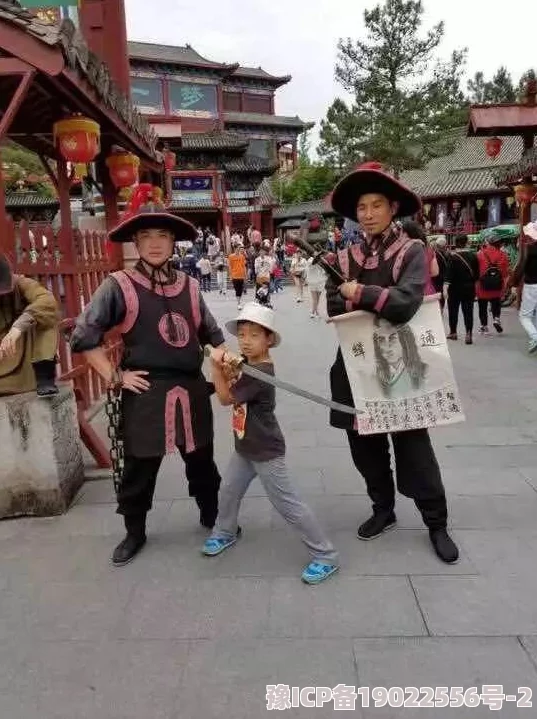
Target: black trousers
(495,308)
(417,472)
(135,496)
(238,286)
(456,301)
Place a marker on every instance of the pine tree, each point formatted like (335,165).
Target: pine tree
(405,98)
(499,89)
(340,136)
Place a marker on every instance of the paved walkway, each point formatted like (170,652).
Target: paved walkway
(178,636)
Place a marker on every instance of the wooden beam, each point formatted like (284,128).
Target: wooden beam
(14,66)
(19,43)
(16,102)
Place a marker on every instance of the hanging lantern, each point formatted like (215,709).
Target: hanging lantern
(123,169)
(525,193)
(81,170)
(169,160)
(493,146)
(426,209)
(479,204)
(510,201)
(158,195)
(77,139)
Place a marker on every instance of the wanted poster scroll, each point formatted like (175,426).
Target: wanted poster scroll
(400,376)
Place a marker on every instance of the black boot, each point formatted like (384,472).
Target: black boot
(376,525)
(45,378)
(444,546)
(133,542)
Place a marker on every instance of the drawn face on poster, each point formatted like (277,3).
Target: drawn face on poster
(398,365)
(401,377)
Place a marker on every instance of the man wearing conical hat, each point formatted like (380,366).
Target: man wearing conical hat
(29,321)
(166,406)
(387,275)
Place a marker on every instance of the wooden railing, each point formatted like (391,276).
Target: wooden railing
(72,267)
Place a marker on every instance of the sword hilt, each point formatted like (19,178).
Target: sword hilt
(229,358)
(319,257)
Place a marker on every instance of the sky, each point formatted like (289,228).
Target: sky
(299,37)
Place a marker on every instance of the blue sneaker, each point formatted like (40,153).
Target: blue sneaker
(216,545)
(315,572)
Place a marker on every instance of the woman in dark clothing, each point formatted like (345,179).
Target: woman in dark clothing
(461,276)
(442,259)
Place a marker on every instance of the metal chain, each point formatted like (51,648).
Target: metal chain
(114,414)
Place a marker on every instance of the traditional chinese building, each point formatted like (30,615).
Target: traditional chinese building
(219,120)
(460,191)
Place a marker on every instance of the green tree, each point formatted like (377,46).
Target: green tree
(22,167)
(499,89)
(340,135)
(310,181)
(528,75)
(405,97)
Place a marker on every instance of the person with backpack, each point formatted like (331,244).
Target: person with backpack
(461,276)
(493,277)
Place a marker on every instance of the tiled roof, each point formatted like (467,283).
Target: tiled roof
(16,200)
(266,196)
(259,73)
(173,54)
(251,164)
(320,207)
(467,170)
(215,140)
(256,118)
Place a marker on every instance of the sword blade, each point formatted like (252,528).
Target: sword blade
(298,391)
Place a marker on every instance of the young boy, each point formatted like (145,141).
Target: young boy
(260,446)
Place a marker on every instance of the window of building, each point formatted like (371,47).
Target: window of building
(146,94)
(232,101)
(258,103)
(190,99)
(261,148)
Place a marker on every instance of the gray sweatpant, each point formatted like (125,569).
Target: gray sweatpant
(273,476)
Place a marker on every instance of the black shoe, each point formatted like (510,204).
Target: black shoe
(377,524)
(127,549)
(45,378)
(444,546)
(497,326)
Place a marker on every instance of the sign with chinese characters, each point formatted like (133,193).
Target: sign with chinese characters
(146,94)
(400,376)
(190,99)
(192,184)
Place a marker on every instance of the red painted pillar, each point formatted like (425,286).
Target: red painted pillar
(104,26)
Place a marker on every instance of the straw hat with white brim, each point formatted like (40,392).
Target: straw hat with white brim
(259,315)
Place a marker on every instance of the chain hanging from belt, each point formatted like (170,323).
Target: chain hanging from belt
(115,427)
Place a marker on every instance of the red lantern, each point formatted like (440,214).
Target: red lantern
(123,169)
(169,160)
(493,146)
(77,139)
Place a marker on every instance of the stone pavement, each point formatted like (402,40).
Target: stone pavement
(178,636)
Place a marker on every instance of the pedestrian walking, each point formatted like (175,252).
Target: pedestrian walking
(221,273)
(260,446)
(205,268)
(493,277)
(387,275)
(526,271)
(316,279)
(165,399)
(442,259)
(461,276)
(237,271)
(298,273)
